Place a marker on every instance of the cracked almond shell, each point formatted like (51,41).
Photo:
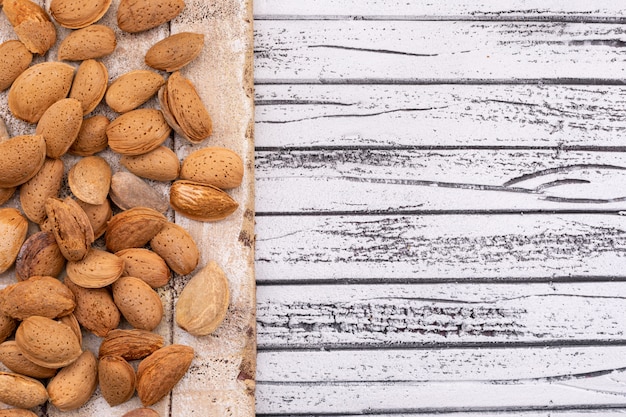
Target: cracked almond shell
(90,84)
(71,227)
(132,89)
(175,51)
(76,14)
(137,132)
(31,24)
(201,202)
(14,59)
(95,41)
(21,158)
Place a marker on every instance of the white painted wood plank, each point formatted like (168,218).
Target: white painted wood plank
(440,115)
(602,412)
(440,247)
(374,51)
(523,9)
(403,315)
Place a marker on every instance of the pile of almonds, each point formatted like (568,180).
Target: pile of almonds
(88,269)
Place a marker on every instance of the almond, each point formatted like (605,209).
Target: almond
(97,270)
(138,15)
(203,303)
(37,296)
(160,164)
(132,89)
(59,125)
(31,24)
(18,412)
(137,132)
(47,342)
(99,215)
(200,201)
(11,356)
(133,228)
(90,84)
(95,309)
(215,166)
(95,41)
(129,191)
(161,371)
(90,180)
(117,379)
(21,158)
(175,51)
(7,325)
(141,412)
(76,14)
(176,246)
(74,384)
(92,136)
(13,229)
(145,264)
(130,344)
(39,87)
(39,255)
(46,183)
(4,132)
(14,59)
(71,228)
(21,391)
(71,322)
(140,305)
(6,194)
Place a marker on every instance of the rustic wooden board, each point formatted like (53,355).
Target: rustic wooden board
(221,378)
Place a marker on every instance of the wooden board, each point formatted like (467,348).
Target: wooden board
(221,378)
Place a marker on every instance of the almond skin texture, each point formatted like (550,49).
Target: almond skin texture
(145,264)
(129,191)
(137,132)
(203,303)
(34,193)
(95,41)
(71,228)
(133,228)
(90,84)
(176,246)
(31,24)
(215,166)
(130,344)
(74,384)
(7,326)
(95,309)
(47,342)
(21,158)
(92,136)
(97,270)
(140,412)
(138,15)
(140,305)
(90,180)
(6,194)
(175,51)
(132,89)
(21,391)
(76,14)
(161,164)
(13,230)
(39,255)
(117,379)
(14,59)
(11,356)
(18,412)
(98,215)
(71,322)
(37,296)
(38,88)
(59,125)
(200,201)
(161,371)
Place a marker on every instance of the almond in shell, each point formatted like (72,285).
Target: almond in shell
(160,372)
(92,136)
(71,228)
(59,125)
(132,89)
(11,356)
(31,24)
(95,41)
(6,194)
(161,164)
(216,166)
(90,180)
(145,264)
(138,15)
(176,246)
(34,193)
(76,14)
(175,51)
(139,412)
(39,87)
(117,379)
(21,158)
(99,215)
(14,59)
(129,191)
(133,228)
(137,132)
(39,255)
(21,391)
(140,305)
(4,131)
(130,344)
(95,309)
(7,326)
(201,201)
(47,342)
(90,84)
(13,230)
(97,270)
(37,296)
(74,384)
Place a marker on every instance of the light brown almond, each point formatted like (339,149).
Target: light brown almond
(90,84)
(95,41)
(140,305)
(132,89)
(137,132)
(176,246)
(145,264)
(97,270)
(161,371)
(133,228)
(21,391)
(95,309)
(138,15)
(17,412)
(46,183)
(11,356)
(38,88)
(160,164)
(37,296)
(14,59)
(6,194)
(92,136)
(200,201)
(141,412)
(203,303)
(99,215)
(90,180)
(71,227)
(215,166)
(13,230)
(4,131)
(117,379)
(47,342)
(7,326)
(76,14)
(21,158)
(130,344)
(175,51)
(59,125)
(31,24)
(39,255)
(129,191)
(71,322)
(74,384)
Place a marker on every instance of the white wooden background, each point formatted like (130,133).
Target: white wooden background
(440,187)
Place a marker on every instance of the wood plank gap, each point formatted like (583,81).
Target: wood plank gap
(442,81)
(395,213)
(313,148)
(560,18)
